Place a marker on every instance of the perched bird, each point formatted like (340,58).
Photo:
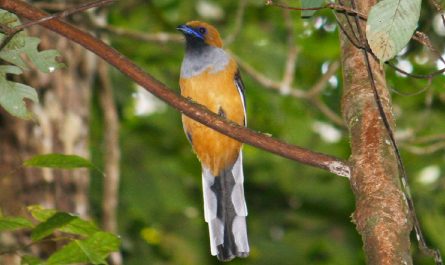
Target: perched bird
(210,77)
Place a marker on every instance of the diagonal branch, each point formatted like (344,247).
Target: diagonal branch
(194,111)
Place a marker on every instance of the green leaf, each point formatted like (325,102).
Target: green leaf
(93,250)
(77,226)
(31,260)
(39,213)
(12,94)
(58,161)
(45,61)
(391,23)
(309,4)
(14,223)
(46,228)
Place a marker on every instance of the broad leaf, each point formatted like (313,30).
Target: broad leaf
(21,44)
(58,161)
(93,250)
(310,4)
(77,226)
(14,223)
(31,260)
(46,228)
(12,94)
(391,23)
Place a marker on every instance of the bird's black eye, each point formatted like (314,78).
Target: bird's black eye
(202,30)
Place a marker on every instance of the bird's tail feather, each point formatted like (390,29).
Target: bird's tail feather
(225,211)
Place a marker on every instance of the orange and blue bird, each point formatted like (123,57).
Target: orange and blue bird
(210,77)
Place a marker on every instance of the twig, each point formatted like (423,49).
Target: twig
(161,37)
(295,92)
(193,110)
(238,22)
(418,36)
(13,31)
(292,55)
(333,6)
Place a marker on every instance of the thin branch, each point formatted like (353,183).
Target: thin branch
(194,111)
(296,92)
(238,22)
(161,37)
(318,87)
(12,32)
(292,55)
(333,6)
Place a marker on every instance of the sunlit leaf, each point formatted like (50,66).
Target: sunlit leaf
(93,250)
(391,23)
(31,260)
(310,4)
(76,226)
(46,228)
(58,161)
(14,223)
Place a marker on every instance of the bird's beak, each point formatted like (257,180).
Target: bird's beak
(188,31)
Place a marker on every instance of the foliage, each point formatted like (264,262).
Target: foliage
(296,214)
(12,94)
(310,4)
(390,25)
(58,161)
(83,241)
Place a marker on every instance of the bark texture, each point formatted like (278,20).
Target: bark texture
(381,214)
(60,125)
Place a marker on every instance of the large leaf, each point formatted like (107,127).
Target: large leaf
(14,223)
(310,4)
(12,94)
(391,23)
(93,250)
(58,161)
(46,228)
(21,44)
(76,226)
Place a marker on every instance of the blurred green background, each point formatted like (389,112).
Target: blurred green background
(297,214)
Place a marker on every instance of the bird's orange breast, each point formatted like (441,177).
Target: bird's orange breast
(218,92)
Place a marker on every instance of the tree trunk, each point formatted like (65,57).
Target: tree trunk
(60,126)
(381,214)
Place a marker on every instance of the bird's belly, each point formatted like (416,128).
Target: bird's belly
(218,92)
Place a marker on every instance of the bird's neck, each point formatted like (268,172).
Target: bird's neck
(201,58)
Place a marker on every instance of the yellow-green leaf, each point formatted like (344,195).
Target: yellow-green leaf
(391,24)
(58,161)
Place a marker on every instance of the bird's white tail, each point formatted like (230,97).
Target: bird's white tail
(225,211)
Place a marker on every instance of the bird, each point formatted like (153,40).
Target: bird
(210,76)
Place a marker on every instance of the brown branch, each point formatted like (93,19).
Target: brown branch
(194,111)
(10,33)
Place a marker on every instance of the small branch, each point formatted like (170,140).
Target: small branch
(161,37)
(194,111)
(12,32)
(292,55)
(333,6)
(238,22)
